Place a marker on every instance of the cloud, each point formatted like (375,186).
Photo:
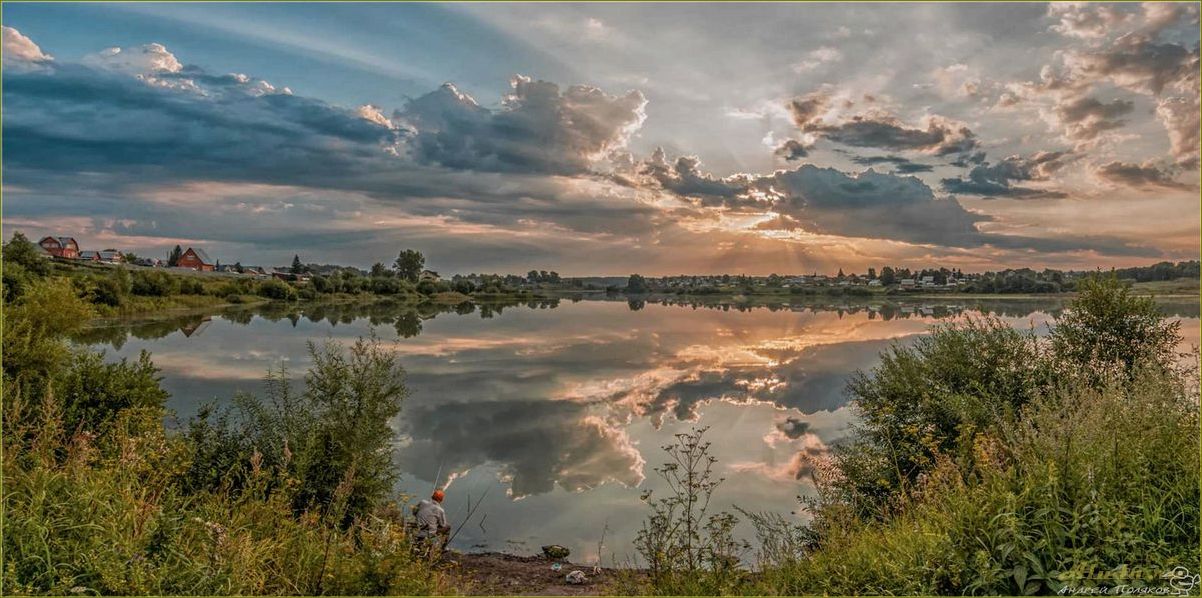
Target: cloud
(1085,118)
(993,180)
(539,129)
(140,60)
(817,58)
(537,444)
(684,178)
(793,150)
(1086,20)
(793,427)
(19,52)
(1138,175)
(900,164)
(935,135)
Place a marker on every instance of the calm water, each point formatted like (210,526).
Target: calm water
(555,414)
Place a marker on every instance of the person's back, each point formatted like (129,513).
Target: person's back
(431,519)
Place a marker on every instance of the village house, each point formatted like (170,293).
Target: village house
(89,256)
(111,256)
(60,246)
(196,259)
(906,283)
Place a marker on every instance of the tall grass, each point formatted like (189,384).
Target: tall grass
(992,461)
(100,499)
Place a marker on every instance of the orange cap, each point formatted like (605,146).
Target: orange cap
(438,495)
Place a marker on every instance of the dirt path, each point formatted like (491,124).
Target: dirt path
(492,573)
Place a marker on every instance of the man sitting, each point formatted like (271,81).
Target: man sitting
(432,528)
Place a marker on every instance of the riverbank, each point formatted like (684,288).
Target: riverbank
(498,574)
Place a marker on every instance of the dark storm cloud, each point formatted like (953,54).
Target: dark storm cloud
(538,129)
(886,206)
(73,118)
(793,427)
(684,177)
(938,135)
(994,180)
(129,123)
(793,150)
(1138,175)
(900,164)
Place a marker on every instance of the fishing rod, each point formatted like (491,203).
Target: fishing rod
(470,512)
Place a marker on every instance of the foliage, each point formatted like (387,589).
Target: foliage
(931,398)
(340,423)
(409,264)
(23,252)
(97,498)
(1107,330)
(636,284)
(1039,463)
(688,549)
(154,283)
(277,289)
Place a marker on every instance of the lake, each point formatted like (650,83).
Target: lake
(555,412)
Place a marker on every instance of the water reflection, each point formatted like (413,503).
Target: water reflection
(559,406)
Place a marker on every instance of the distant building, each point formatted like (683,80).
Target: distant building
(60,246)
(876,282)
(148,262)
(90,256)
(196,259)
(927,280)
(429,275)
(111,256)
(906,283)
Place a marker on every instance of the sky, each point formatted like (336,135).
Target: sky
(606,139)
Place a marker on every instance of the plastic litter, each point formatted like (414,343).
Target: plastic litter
(575,577)
(556,566)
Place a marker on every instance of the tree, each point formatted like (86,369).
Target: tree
(297,266)
(533,277)
(409,264)
(887,276)
(379,270)
(840,275)
(129,257)
(173,257)
(238,268)
(871,273)
(22,251)
(636,284)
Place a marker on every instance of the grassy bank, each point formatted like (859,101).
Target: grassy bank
(987,461)
(286,495)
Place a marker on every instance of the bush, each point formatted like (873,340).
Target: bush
(277,289)
(930,399)
(106,291)
(385,285)
(153,283)
(989,462)
(191,286)
(337,433)
(94,393)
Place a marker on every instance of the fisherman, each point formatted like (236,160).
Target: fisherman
(432,528)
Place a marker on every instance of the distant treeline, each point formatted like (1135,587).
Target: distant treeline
(1026,280)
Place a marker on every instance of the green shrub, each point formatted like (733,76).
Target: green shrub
(93,392)
(106,291)
(277,289)
(153,283)
(339,424)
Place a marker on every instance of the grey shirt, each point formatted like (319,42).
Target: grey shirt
(430,518)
